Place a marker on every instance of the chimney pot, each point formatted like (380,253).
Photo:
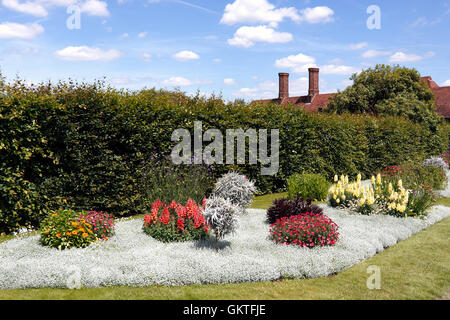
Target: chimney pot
(283,85)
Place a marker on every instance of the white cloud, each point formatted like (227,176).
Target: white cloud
(84,53)
(338,69)
(33,8)
(264,90)
(179,82)
(297,63)
(269,89)
(299,87)
(217,60)
(229,82)
(11,30)
(247,36)
(446,83)
(120,81)
(39,8)
(403,57)
(95,8)
(369,54)
(357,46)
(147,57)
(186,55)
(142,35)
(317,15)
(257,11)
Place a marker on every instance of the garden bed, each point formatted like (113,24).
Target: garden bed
(131,258)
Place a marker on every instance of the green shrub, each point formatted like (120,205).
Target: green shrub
(65,229)
(163,180)
(414,176)
(308,186)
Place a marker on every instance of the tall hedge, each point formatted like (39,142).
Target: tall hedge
(83,145)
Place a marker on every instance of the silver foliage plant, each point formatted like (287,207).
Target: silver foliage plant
(436,162)
(237,188)
(222,216)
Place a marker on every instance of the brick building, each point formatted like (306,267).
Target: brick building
(316,101)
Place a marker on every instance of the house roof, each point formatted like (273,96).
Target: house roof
(442,95)
(320,101)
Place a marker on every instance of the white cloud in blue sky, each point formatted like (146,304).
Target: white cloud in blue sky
(233,47)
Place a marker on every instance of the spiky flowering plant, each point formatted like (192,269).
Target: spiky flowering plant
(445,157)
(222,216)
(286,208)
(65,229)
(102,223)
(175,222)
(307,230)
(381,197)
(236,187)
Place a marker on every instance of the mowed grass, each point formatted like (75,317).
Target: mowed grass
(417,268)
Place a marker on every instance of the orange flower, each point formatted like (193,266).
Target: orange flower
(85,235)
(54,215)
(75,224)
(68,233)
(58,235)
(74,232)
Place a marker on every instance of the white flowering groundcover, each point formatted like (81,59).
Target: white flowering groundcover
(133,258)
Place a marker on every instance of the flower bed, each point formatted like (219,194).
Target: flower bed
(132,258)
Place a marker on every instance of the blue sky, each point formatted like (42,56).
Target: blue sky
(233,47)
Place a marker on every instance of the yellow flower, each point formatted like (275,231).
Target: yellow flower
(400,183)
(85,235)
(54,215)
(336,178)
(378,178)
(75,224)
(372,179)
(74,232)
(358,178)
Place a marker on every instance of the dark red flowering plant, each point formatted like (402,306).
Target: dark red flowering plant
(306,230)
(392,171)
(175,222)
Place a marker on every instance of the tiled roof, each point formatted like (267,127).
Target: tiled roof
(443,101)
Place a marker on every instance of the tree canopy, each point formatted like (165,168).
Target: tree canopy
(388,90)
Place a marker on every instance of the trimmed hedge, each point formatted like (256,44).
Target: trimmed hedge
(82,146)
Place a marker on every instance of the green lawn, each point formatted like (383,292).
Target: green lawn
(417,268)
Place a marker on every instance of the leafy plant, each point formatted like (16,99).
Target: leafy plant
(308,230)
(222,216)
(286,208)
(65,229)
(308,186)
(166,181)
(175,222)
(236,187)
(414,175)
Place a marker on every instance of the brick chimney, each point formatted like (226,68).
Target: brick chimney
(283,86)
(313,82)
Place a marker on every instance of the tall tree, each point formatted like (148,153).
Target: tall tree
(388,90)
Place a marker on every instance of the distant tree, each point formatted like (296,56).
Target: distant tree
(388,90)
